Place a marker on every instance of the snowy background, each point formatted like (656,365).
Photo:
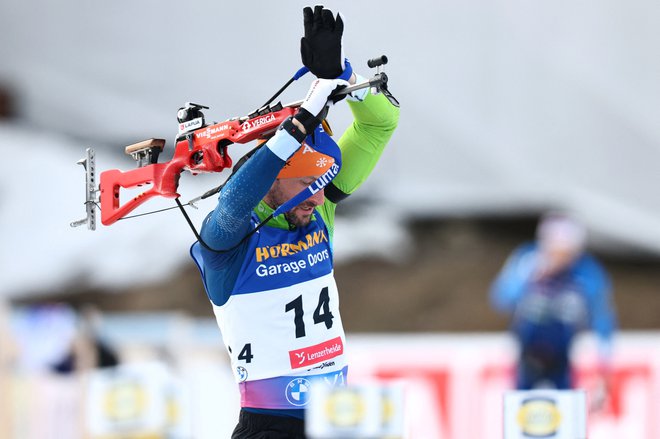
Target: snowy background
(507,107)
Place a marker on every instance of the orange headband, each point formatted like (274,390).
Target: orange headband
(306,162)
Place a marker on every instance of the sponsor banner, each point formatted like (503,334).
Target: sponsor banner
(136,399)
(559,414)
(316,354)
(368,410)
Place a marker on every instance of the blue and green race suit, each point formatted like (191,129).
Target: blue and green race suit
(274,293)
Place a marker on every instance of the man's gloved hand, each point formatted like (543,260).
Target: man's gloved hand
(318,100)
(319,95)
(320,48)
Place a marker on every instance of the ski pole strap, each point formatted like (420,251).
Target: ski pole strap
(324,144)
(299,74)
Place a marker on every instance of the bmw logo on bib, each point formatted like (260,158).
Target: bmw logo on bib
(242,373)
(297,392)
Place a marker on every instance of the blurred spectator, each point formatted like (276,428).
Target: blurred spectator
(53,337)
(43,333)
(552,289)
(87,350)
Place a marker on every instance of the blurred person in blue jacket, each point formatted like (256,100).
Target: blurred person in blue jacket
(553,289)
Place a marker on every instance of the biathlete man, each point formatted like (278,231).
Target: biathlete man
(273,290)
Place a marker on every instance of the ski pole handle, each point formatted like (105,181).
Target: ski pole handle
(377,81)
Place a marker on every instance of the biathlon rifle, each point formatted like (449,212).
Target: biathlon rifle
(199,148)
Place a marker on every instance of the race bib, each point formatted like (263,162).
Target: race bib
(291,330)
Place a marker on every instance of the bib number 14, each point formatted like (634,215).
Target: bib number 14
(321,314)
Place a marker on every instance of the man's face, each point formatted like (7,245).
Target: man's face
(286,188)
(558,256)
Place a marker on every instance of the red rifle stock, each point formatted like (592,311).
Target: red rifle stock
(202,150)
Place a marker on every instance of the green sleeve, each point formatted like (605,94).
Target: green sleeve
(375,119)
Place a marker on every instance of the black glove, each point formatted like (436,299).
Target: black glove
(320,48)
